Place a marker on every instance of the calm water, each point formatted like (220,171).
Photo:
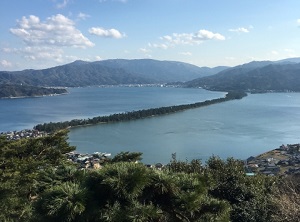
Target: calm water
(17,114)
(240,129)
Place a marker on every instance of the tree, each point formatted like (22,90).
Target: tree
(184,197)
(127,157)
(287,200)
(249,197)
(194,166)
(115,190)
(21,164)
(63,202)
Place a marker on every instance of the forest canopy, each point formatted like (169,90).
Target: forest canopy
(38,183)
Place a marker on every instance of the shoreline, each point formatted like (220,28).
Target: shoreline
(135,115)
(24,97)
(284,160)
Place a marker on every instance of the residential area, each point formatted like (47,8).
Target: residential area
(26,133)
(284,160)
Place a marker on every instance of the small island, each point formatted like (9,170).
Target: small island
(20,91)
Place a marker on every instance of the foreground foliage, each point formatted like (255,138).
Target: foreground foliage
(22,164)
(37,183)
(287,200)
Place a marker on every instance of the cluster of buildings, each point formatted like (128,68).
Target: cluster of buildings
(284,160)
(27,133)
(88,161)
(96,159)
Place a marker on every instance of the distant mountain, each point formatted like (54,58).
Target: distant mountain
(72,75)
(161,71)
(254,77)
(289,60)
(9,91)
(108,72)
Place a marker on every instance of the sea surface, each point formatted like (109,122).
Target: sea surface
(238,129)
(24,113)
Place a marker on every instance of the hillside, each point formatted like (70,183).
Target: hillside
(72,75)
(161,71)
(9,91)
(254,77)
(107,72)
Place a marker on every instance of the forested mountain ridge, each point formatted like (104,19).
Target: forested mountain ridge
(108,72)
(254,77)
(9,91)
(162,71)
(72,75)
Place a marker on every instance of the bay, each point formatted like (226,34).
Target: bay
(238,129)
(24,113)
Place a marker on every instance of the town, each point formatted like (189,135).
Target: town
(96,160)
(26,133)
(284,160)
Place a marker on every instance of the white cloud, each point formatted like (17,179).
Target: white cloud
(82,16)
(166,37)
(240,30)
(49,55)
(56,31)
(108,33)
(274,52)
(6,64)
(289,50)
(186,53)
(62,4)
(298,22)
(207,35)
(187,39)
(40,53)
(230,58)
(98,58)
(7,50)
(144,50)
(160,46)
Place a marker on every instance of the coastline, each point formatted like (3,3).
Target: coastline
(38,96)
(284,160)
(267,153)
(135,115)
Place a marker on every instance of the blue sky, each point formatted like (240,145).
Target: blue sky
(38,34)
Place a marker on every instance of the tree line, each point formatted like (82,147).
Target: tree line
(134,115)
(38,183)
(10,90)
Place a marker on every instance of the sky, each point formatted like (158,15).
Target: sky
(37,34)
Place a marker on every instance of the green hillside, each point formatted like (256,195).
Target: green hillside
(9,91)
(260,78)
